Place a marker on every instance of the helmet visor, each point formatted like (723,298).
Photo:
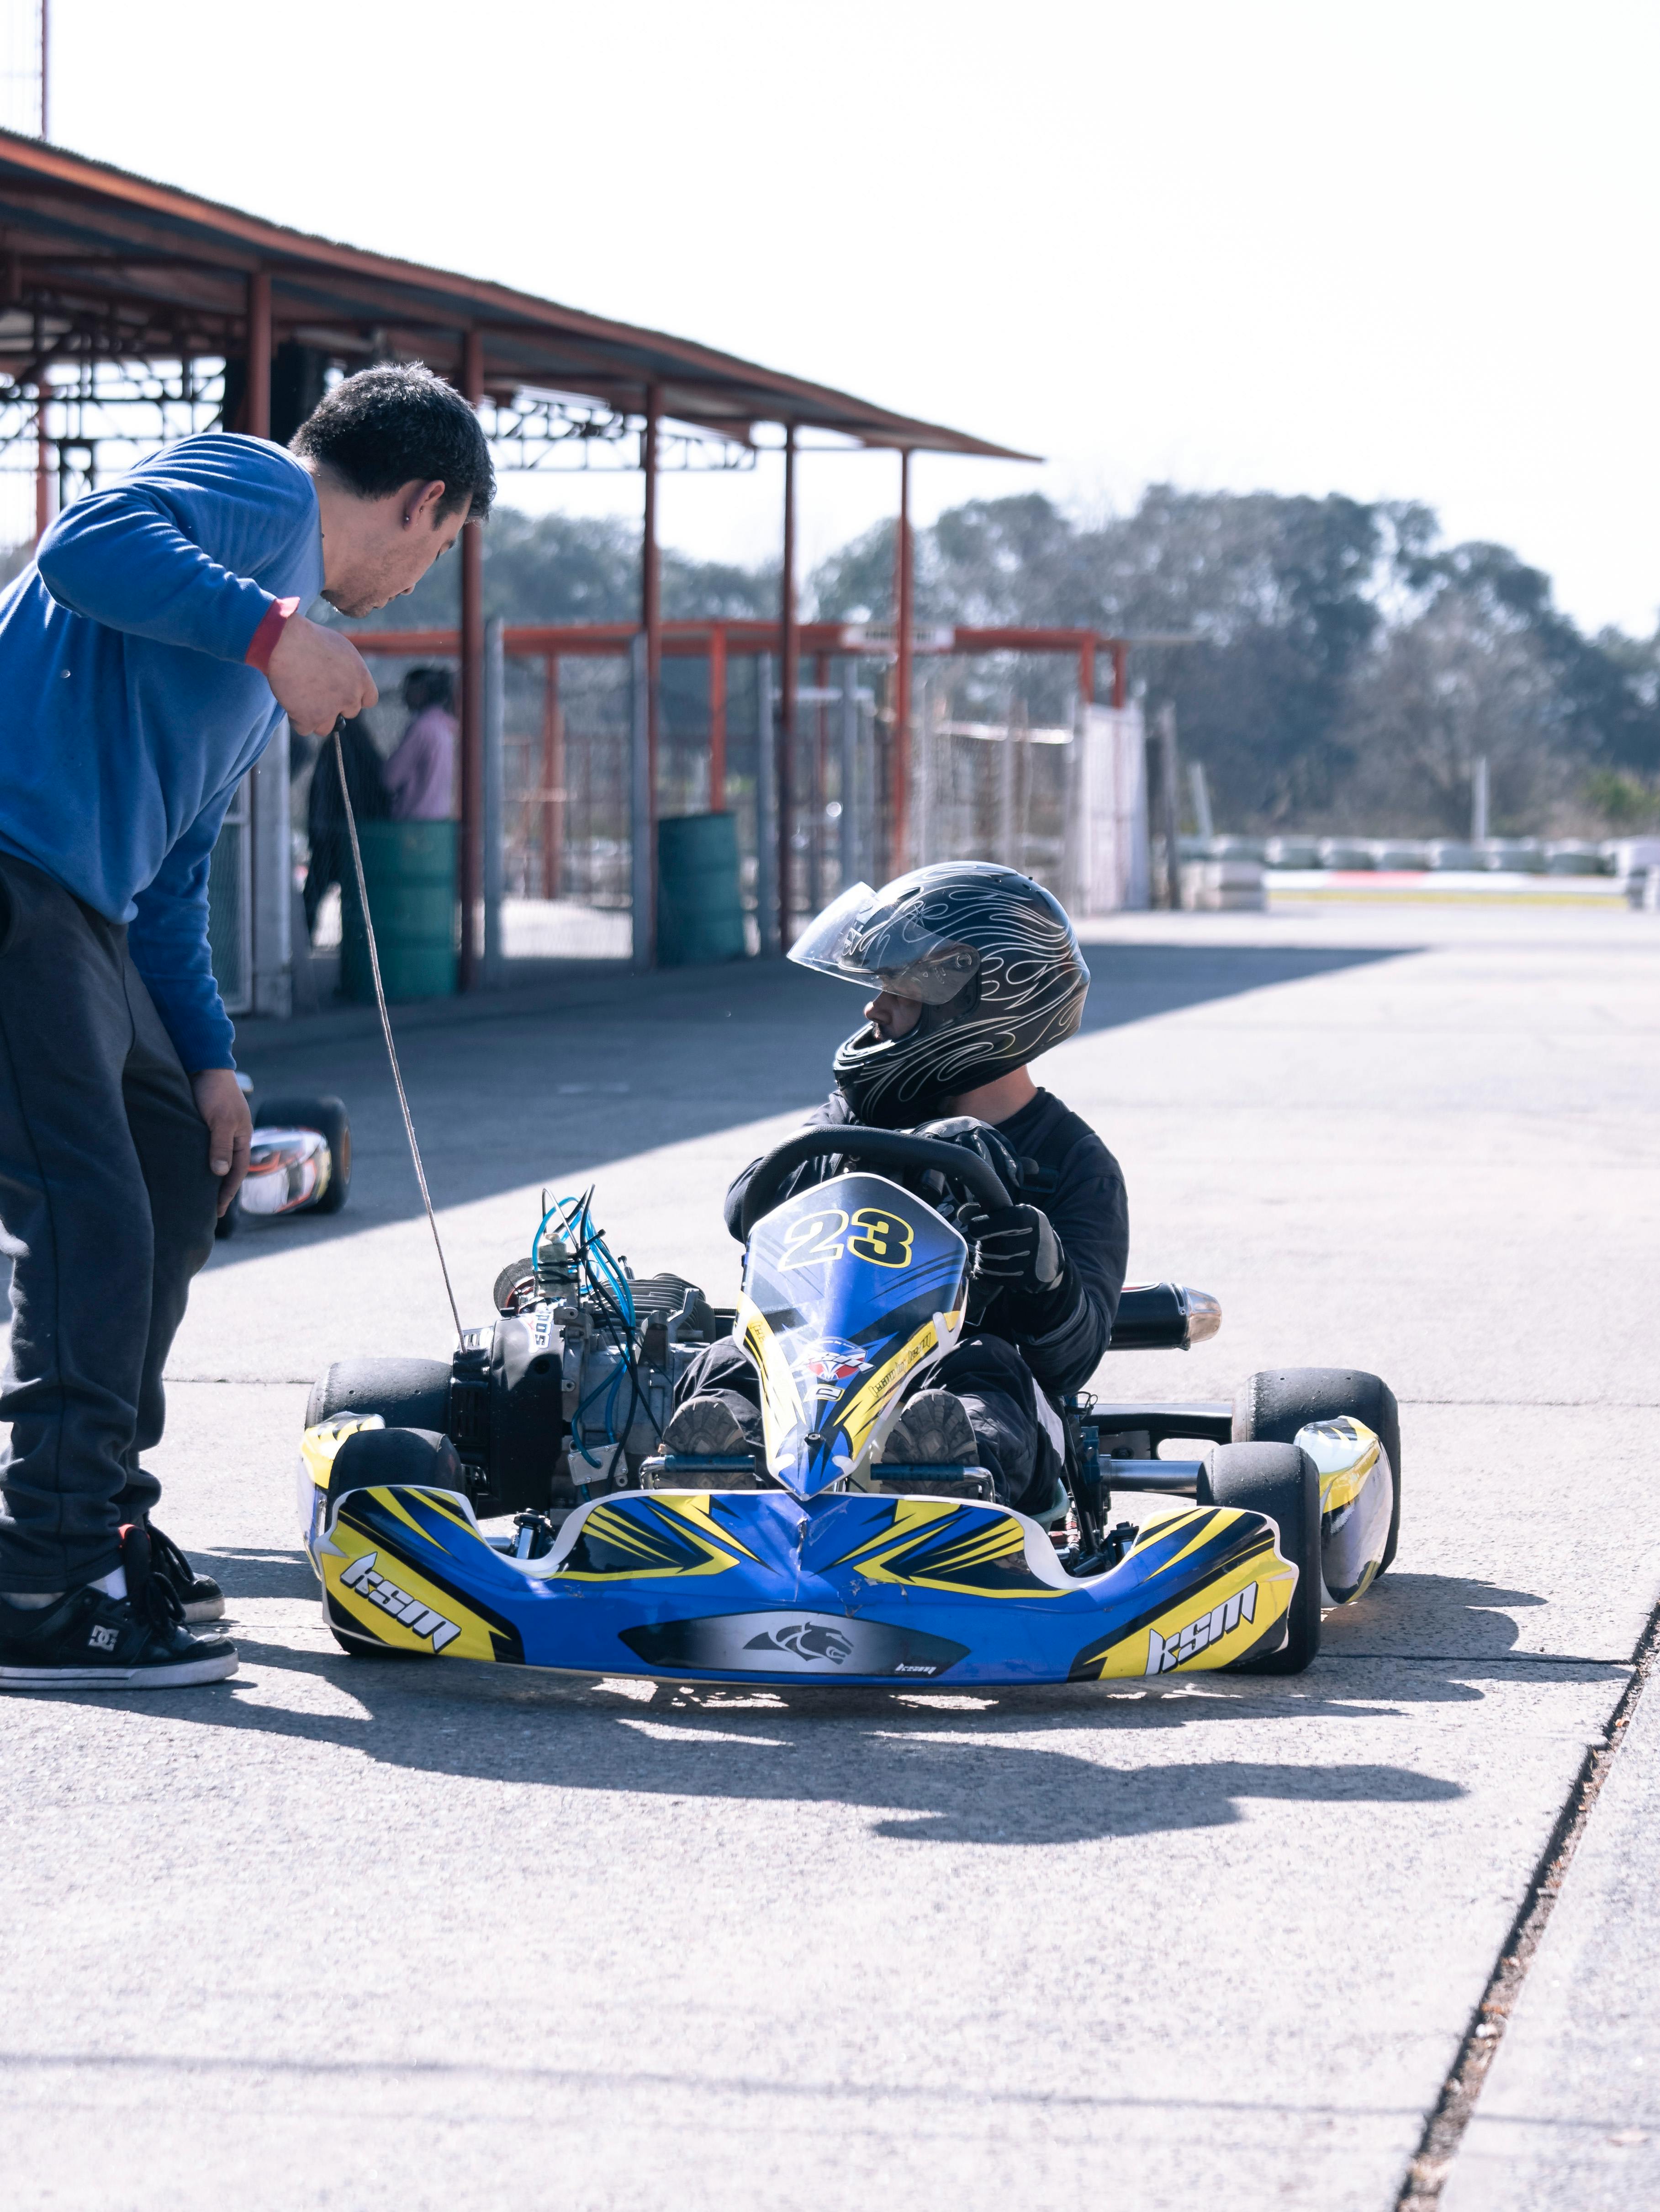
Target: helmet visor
(865,937)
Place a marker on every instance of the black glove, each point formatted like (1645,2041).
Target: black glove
(1015,1249)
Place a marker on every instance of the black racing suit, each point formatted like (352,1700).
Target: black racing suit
(1019,1350)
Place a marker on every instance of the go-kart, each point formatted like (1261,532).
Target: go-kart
(299,1161)
(820,1558)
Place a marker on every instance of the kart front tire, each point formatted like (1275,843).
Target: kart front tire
(1272,1406)
(354,1649)
(390,1455)
(327,1116)
(1282,1482)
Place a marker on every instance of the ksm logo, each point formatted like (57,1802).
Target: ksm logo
(415,1612)
(1199,1635)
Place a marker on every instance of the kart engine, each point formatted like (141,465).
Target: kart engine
(564,1397)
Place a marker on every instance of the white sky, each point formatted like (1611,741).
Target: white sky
(1401,250)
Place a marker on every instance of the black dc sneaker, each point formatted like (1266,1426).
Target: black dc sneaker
(91,1641)
(200,1597)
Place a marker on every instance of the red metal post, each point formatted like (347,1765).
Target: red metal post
(789,663)
(820,763)
(552,784)
(718,719)
(42,473)
(898,761)
(472,697)
(651,616)
(1087,672)
(257,404)
(1120,652)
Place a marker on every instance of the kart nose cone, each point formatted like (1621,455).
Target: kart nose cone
(813,1468)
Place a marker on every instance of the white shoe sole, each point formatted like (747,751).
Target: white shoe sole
(206,1608)
(180,1676)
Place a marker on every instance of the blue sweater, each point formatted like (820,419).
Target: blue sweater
(128,715)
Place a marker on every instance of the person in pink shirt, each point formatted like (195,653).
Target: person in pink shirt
(421,776)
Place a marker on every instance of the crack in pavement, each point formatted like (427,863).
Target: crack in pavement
(1443,2132)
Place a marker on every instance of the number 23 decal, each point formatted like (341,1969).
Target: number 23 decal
(883,1238)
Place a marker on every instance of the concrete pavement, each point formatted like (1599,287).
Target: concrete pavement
(349,1936)
(1569,2120)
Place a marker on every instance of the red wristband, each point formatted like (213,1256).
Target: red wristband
(263,644)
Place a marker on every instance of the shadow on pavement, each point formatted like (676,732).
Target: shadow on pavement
(1444,1614)
(628,1063)
(968,1766)
(965,1772)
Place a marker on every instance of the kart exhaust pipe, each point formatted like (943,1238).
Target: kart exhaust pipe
(1172,1478)
(1164,1317)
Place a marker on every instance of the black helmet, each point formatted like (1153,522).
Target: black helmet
(990,955)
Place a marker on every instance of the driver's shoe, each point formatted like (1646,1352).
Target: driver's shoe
(200,1597)
(88,1640)
(715,1425)
(932,1431)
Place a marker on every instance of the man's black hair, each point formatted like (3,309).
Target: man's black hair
(399,424)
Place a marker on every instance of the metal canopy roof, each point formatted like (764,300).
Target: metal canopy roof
(98,262)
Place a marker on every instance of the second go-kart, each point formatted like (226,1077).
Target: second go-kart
(820,1559)
(299,1161)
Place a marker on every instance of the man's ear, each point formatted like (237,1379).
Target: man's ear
(421,503)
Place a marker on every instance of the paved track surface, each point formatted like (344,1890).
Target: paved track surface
(1570,2119)
(349,1936)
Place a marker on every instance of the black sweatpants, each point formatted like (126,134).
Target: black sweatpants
(998,1389)
(107,1206)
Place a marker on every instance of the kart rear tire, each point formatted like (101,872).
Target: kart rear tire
(328,1117)
(1272,1406)
(1282,1482)
(406,1394)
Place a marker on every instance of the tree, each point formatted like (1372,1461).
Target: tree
(1340,668)
(1440,692)
(1273,593)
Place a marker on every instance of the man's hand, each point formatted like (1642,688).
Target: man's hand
(1015,1248)
(220,1103)
(317,675)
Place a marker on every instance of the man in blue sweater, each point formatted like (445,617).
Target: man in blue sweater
(145,657)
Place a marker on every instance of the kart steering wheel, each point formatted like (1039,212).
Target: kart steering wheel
(878,1148)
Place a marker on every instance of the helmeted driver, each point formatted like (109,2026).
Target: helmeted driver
(976,971)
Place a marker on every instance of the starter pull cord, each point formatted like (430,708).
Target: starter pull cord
(386,1028)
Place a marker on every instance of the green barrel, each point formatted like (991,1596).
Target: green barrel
(409,868)
(700,908)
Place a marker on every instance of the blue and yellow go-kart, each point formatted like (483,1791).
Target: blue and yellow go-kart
(820,1558)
